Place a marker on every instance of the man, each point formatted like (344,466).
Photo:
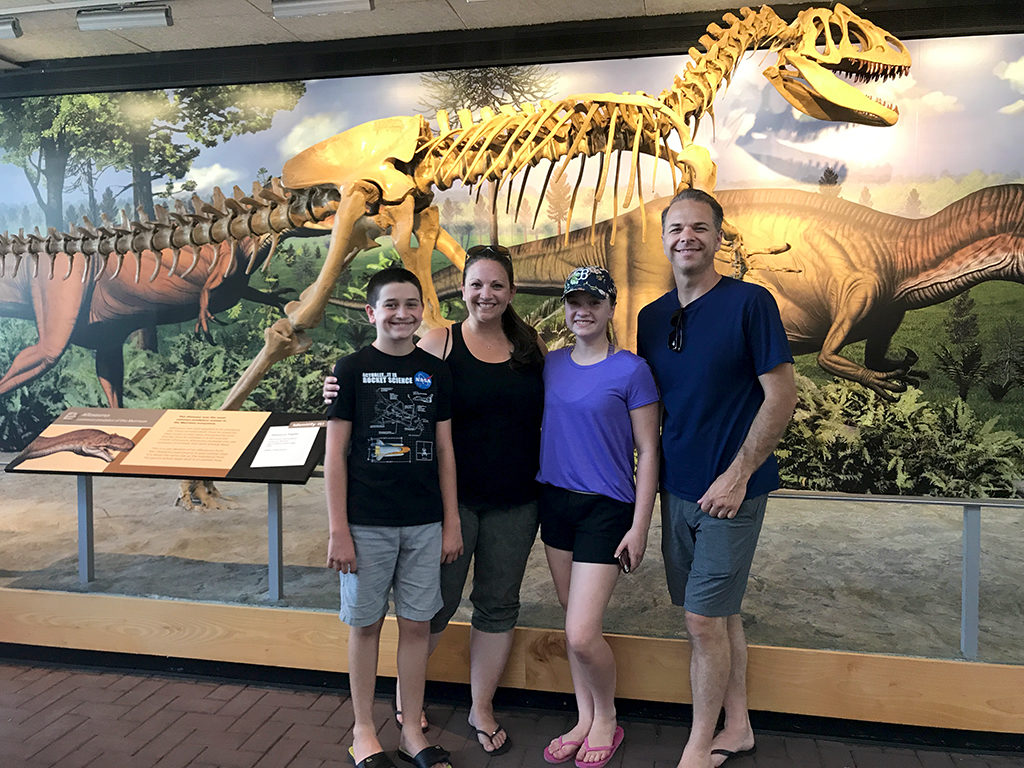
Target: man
(722,362)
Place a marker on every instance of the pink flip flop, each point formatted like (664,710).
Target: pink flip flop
(550,758)
(619,736)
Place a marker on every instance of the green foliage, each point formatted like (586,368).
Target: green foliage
(963,365)
(295,385)
(156,134)
(46,136)
(30,407)
(961,358)
(962,322)
(548,317)
(192,373)
(845,438)
(1006,370)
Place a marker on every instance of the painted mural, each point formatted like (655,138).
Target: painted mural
(912,370)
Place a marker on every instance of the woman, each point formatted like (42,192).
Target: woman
(600,405)
(496,361)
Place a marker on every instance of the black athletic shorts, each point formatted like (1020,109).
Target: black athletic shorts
(587,524)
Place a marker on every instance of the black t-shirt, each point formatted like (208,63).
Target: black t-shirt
(394,404)
(496,418)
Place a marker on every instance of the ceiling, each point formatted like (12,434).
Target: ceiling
(52,54)
(216,23)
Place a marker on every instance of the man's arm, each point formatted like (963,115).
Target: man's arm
(451,528)
(341,551)
(728,490)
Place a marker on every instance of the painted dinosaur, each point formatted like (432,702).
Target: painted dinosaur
(71,304)
(83,442)
(840,272)
(383,174)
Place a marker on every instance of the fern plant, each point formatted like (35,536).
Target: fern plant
(845,438)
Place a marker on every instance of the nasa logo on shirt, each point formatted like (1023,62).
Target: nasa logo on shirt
(423,380)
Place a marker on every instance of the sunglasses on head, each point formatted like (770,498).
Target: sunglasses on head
(489,250)
(675,336)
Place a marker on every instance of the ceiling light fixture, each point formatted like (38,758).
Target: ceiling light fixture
(125,18)
(283,9)
(10,28)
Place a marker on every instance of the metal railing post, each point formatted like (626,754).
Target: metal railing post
(86,550)
(275,557)
(971,582)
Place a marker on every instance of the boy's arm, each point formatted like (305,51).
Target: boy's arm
(341,551)
(451,537)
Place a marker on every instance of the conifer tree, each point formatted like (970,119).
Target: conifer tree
(961,358)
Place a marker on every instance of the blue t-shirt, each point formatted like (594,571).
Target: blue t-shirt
(709,390)
(586,438)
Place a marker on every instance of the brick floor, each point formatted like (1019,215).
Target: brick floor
(83,718)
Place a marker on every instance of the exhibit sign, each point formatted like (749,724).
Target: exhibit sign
(230,445)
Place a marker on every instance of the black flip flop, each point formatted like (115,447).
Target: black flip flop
(729,754)
(506,745)
(376,760)
(427,757)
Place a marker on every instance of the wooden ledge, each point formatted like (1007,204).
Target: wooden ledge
(854,686)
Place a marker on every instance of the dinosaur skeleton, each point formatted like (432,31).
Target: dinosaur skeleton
(267,212)
(99,314)
(379,177)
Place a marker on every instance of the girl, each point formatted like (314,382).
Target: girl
(600,405)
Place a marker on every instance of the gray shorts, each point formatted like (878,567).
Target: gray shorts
(498,541)
(404,560)
(707,559)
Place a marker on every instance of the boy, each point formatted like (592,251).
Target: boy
(390,481)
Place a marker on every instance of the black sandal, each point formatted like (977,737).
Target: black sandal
(376,760)
(427,757)
(505,746)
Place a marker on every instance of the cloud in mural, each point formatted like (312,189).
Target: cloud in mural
(311,130)
(910,97)
(579,81)
(1012,72)
(211,176)
(1017,108)
(405,90)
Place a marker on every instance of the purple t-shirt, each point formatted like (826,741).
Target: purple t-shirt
(586,439)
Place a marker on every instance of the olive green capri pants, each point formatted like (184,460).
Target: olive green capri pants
(498,541)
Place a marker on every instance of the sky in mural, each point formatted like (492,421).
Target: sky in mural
(962,110)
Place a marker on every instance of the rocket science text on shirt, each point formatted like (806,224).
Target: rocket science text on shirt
(394,404)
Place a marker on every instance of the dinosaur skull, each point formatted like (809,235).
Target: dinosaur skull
(820,43)
(367,152)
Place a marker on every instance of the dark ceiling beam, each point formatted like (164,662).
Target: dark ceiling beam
(604,39)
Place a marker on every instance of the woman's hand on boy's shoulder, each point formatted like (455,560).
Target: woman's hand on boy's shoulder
(331,389)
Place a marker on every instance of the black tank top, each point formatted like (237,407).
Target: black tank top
(496,415)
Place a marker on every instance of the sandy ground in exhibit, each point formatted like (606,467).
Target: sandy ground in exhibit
(858,576)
